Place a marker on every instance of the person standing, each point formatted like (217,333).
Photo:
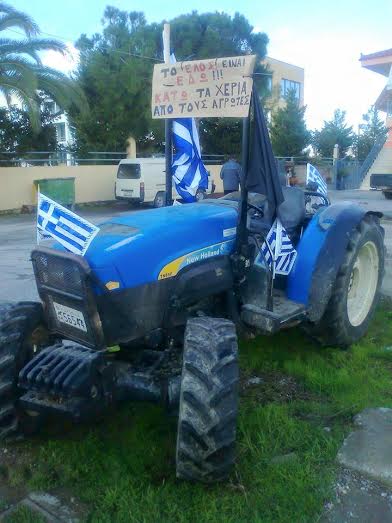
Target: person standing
(231,173)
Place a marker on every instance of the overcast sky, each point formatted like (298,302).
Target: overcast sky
(326,38)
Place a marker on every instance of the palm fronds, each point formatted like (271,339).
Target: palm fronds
(22,75)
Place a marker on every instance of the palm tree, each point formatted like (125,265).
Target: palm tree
(22,74)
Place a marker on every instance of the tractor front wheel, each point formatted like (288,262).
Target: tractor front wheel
(208,401)
(22,334)
(356,290)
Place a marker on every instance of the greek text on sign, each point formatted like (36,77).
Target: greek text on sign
(203,88)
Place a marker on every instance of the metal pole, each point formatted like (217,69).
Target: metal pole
(168,122)
(241,229)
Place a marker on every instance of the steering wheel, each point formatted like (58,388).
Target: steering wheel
(255,208)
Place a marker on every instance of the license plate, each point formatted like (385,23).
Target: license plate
(70,316)
(128,192)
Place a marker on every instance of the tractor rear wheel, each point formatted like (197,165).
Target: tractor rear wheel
(22,334)
(208,401)
(356,291)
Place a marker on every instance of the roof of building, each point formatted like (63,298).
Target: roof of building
(267,58)
(379,54)
(379,62)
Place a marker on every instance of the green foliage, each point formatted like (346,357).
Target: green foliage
(221,136)
(335,131)
(373,128)
(22,74)
(117,83)
(18,136)
(289,135)
(123,467)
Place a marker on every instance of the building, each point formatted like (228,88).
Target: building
(284,77)
(63,130)
(381,63)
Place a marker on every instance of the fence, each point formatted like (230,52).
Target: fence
(54,159)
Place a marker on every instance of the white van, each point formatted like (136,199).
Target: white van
(142,180)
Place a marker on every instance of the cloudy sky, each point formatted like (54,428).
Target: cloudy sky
(326,38)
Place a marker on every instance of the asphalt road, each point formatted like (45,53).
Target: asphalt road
(18,237)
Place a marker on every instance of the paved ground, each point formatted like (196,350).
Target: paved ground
(363,488)
(17,238)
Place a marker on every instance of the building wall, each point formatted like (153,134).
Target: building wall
(282,70)
(93,183)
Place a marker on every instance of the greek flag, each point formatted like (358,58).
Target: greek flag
(312,175)
(69,229)
(278,251)
(189,173)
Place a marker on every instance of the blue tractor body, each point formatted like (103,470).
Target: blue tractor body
(145,268)
(134,249)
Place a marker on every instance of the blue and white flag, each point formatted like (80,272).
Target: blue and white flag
(313,176)
(69,229)
(189,173)
(278,251)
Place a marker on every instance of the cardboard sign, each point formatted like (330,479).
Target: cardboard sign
(203,88)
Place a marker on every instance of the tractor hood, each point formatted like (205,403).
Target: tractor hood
(145,246)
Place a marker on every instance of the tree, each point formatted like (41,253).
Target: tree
(22,74)
(289,135)
(18,137)
(373,128)
(335,131)
(115,73)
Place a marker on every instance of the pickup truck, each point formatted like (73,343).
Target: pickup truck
(382,182)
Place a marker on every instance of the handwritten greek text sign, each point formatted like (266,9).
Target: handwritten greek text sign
(203,88)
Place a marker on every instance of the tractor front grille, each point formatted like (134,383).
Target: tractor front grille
(64,285)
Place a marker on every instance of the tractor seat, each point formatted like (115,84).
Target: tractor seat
(291,213)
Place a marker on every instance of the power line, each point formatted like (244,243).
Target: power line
(134,55)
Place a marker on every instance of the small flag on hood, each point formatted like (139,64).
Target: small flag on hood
(69,229)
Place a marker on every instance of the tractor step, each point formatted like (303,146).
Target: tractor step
(286,313)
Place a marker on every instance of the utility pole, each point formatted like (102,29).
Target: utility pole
(168,122)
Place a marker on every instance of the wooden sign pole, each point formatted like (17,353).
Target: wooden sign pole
(168,123)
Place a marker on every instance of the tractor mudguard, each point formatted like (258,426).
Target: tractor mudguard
(320,254)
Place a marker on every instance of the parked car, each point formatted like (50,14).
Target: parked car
(382,182)
(142,180)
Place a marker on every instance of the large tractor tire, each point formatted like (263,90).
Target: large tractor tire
(22,334)
(208,401)
(356,291)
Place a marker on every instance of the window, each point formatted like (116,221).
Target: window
(129,170)
(289,85)
(269,83)
(60,131)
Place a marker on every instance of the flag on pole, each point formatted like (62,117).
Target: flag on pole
(263,176)
(278,251)
(69,229)
(189,173)
(313,176)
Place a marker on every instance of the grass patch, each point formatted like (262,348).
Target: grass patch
(124,467)
(24,515)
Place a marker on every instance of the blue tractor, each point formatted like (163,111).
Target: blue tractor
(152,312)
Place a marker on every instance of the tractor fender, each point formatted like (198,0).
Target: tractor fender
(321,251)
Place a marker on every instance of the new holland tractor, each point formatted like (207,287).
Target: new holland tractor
(152,311)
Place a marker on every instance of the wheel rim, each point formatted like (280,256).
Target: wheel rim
(363,284)
(199,196)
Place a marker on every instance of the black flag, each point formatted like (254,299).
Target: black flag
(263,176)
